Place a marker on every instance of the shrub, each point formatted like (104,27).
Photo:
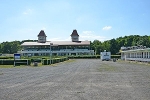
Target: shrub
(5,57)
(116,56)
(36,60)
(11,62)
(91,57)
(53,61)
(84,57)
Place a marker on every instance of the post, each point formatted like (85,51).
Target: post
(125,58)
(50,53)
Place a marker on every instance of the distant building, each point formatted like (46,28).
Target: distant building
(74,36)
(135,53)
(42,37)
(42,47)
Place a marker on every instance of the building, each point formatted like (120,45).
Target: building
(60,48)
(135,53)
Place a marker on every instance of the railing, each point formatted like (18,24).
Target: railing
(139,59)
(57,51)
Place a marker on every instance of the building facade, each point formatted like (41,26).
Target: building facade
(135,53)
(59,48)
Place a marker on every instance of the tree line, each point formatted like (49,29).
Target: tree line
(12,47)
(112,45)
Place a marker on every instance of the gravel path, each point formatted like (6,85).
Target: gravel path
(81,79)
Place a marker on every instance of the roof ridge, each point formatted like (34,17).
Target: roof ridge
(42,33)
(74,33)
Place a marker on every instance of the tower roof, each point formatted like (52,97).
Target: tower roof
(42,33)
(74,33)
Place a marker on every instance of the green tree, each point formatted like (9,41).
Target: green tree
(6,47)
(15,46)
(0,48)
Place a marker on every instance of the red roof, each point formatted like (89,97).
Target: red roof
(42,33)
(74,33)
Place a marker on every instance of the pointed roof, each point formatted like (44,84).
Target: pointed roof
(74,33)
(42,33)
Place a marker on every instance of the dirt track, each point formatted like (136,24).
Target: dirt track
(77,80)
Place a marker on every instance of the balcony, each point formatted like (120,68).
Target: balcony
(56,51)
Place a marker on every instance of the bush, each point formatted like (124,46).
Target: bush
(53,61)
(7,62)
(5,57)
(18,62)
(84,57)
(116,56)
(92,57)
(36,60)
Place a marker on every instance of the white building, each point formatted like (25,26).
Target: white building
(105,55)
(43,47)
(135,53)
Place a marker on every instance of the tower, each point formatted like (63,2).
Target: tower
(42,37)
(74,36)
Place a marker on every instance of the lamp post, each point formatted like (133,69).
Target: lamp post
(50,52)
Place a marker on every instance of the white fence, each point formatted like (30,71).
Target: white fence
(139,59)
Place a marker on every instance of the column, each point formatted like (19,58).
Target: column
(129,55)
(146,54)
(76,54)
(121,55)
(66,53)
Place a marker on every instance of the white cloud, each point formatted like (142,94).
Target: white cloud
(91,36)
(43,28)
(59,39)
(55,39)
(107,28)
(85,35)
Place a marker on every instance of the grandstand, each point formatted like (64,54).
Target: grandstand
(59,48)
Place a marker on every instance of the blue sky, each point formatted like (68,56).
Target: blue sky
(93,19)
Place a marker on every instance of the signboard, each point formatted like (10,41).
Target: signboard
(17,56)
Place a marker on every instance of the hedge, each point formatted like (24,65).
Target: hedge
(84,57)
(5,57)
(36,60)
(91,57)
(11,62)
(53,61)
(116,56)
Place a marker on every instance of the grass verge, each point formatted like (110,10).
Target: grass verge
(106,67)
(32,65)
(11,66)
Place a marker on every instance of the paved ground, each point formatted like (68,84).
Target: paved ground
(77,80)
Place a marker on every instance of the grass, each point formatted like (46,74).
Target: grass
(55,65)
(11,66)
(106,67)
(135,62)
(32,65)
(71,60)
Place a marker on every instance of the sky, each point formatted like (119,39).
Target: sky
(93,19)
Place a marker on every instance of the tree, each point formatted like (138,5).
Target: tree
(6,47)
(0,48)
(15,46)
